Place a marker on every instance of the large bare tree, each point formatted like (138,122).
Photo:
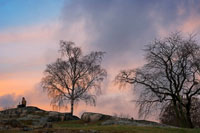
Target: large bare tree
(171,73)
(73,77)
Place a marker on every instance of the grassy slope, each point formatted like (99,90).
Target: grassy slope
(76,126)
(79,125)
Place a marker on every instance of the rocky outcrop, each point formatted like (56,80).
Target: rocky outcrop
(32,116)
(113,120)
(93,117)
(133,123)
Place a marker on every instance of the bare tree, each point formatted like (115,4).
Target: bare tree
(171,74)
(73,77)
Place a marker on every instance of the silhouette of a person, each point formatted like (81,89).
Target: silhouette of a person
(23,102)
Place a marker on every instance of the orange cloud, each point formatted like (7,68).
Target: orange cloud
(18,83)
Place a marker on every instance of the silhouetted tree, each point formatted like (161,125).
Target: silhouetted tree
(168,115)
(73,77)
(170,75)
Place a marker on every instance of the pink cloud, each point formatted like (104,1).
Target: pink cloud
(39,33)
(191,24)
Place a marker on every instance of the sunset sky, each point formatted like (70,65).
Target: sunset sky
(30,31)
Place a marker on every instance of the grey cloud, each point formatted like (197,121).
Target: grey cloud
(9,100)
(120,28)
(116,23)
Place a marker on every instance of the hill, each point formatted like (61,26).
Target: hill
(33,119)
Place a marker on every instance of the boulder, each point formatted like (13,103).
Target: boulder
(48,125)
(27,128)
(93,117)
(53,113)
(69,117)
(13,123)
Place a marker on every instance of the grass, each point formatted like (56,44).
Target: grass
(80,125)
(76,126)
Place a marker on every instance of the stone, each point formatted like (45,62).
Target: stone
(53,113)
(120,122)
(32,116)
(27,129)
(81,131)
(93,131)
(93,117)
(13,123)
(48,125)
(68,117)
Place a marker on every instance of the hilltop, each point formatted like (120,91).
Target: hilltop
(33,119)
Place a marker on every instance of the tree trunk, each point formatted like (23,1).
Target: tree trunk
(180,116)
(189,121)
(72,107)
(183,118)
(188,116)
(177,116)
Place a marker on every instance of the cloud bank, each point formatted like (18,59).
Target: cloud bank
(9,100)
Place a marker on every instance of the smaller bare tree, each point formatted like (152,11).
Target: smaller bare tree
(73,77)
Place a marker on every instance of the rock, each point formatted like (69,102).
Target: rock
(120,122)
(43,120)
(81,131)
(56,116)
(88,131)
(32,116)
(13,123)
(53,113)
(133,123)
(5,127)
(68,117)
(48,125)
(92,117)
(93,131)
(27,129)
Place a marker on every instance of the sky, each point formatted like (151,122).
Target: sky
(30,31)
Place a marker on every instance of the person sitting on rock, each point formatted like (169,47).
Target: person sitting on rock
(23,103)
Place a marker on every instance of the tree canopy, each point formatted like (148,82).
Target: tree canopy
(73,76)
